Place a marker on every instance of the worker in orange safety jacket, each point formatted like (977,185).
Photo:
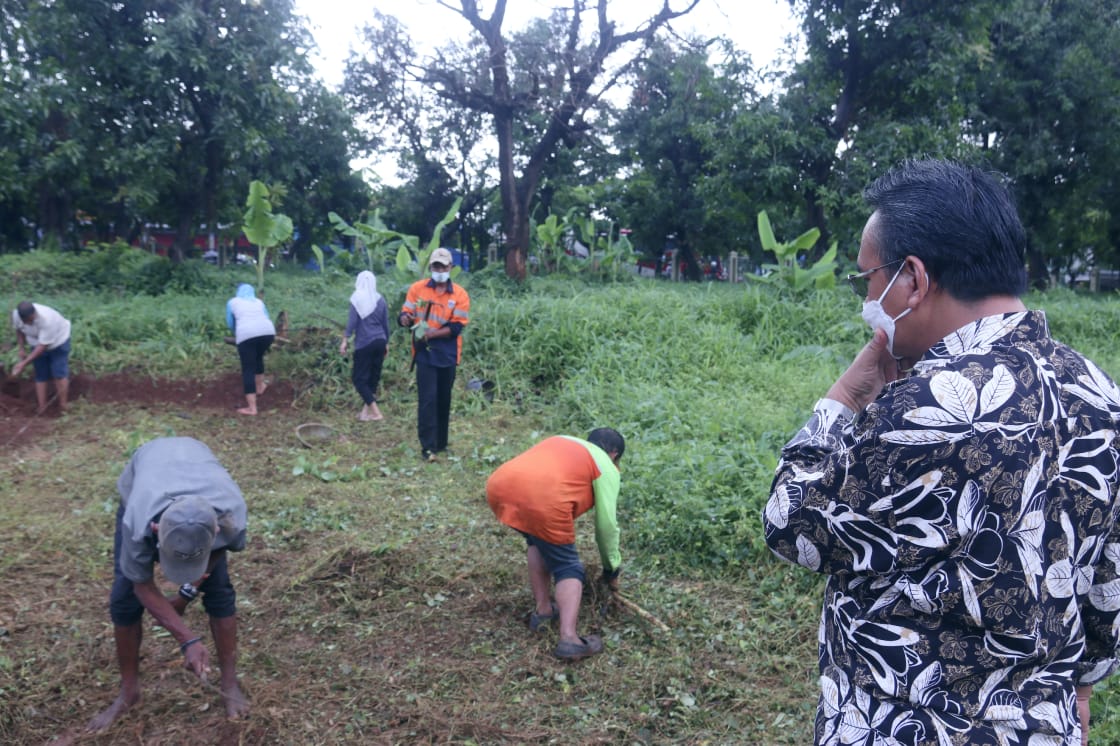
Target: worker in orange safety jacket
(436,310)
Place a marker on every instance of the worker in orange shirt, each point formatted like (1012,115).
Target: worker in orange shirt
(436,309)
(540,493)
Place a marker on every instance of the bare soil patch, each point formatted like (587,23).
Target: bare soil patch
(18,406)
(379,602)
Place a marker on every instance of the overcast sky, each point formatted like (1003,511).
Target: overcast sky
(758,26)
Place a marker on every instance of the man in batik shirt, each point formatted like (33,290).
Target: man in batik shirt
(958,484)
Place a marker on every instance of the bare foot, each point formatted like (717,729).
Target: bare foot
(364,416)
(375,413)
(109,715)
(236,703)
(262,388)
(70,737)
(246,410)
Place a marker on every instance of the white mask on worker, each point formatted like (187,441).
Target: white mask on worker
(878,318)
(441,276)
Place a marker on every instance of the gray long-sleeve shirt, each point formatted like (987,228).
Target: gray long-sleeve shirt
(161,471)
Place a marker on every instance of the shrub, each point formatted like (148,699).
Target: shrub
(112,268)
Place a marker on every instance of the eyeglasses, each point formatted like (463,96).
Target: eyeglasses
(861,281)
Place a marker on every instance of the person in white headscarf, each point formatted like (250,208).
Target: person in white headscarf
(253,330)
(369,323)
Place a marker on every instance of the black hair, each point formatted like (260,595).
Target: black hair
(609,440)
(959,220)
(26,309)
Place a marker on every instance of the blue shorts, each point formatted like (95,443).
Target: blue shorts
(53,363)
(218,597)
(562,560)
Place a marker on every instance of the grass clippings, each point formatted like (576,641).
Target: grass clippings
(379,603)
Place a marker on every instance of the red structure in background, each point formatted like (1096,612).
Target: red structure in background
(159,240)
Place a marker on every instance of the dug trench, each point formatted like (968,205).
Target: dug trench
(19,416)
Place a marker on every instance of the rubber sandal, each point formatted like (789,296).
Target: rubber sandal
(587,647)
(537,622)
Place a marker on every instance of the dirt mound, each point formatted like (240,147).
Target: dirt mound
(18,416)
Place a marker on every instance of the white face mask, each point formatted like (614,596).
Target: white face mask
(877,317)
(441,276)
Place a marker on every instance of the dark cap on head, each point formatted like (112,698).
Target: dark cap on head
(186,535)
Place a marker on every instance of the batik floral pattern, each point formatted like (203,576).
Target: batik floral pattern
(967,522)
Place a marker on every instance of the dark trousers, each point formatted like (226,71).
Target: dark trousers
(433,405)
(366,374)
(218,596)
(251,352)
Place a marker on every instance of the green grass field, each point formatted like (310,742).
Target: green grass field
(379,600)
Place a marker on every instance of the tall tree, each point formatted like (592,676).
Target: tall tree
(680,106)
(438,148)
(1015,84)
(1053,81)
(215,87)
(135,111)
(311,157)
(564,92)
(537,100)
(881,80)
(42,151)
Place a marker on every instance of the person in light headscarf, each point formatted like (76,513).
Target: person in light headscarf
(254,333)
(369,323)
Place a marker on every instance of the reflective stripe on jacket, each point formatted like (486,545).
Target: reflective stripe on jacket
(439,307)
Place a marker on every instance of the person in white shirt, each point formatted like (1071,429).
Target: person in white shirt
(47,333)
(254,333)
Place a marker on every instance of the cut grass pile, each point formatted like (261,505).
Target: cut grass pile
(387,608)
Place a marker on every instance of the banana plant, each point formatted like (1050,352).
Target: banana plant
(788,272)
(411,261)
(550,241)
(262,227)
(374,239)
(608,255)
(378,242)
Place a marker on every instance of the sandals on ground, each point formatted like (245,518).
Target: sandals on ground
(585,648)
(537,622)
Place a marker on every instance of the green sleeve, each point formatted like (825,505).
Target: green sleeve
(606,504)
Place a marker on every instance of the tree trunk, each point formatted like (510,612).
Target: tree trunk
(818,220)
(1038,271)
(55,207)
(184,237)
(517,237)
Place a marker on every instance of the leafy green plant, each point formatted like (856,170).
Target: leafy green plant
(326,470)
(550,242)
(374,240)
(318,256)
(384,247)
(263,227)
(788,272)
(409,265)
(108,267)
(607,255)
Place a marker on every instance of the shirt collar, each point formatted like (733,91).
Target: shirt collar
(433,284)
(980,336)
